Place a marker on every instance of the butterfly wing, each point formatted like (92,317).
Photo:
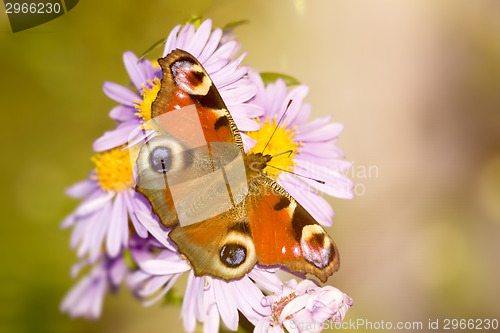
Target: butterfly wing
(185,83)
(221,246)
(285,233)
(189,113)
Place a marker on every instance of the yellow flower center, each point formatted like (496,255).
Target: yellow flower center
(282,141)
(148,97)
(113,169)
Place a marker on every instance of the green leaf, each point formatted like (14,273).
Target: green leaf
(269,77)
(233,25)
(194,20)
(172,297)
(152,47)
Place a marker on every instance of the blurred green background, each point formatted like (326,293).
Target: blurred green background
(416,83)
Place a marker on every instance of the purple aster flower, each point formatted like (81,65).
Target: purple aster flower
(206,299)
(85,299)
(216,56)
(102,218)
(314,153)
(303,307)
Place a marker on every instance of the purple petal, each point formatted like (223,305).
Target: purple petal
(185,35)
(212,320)
(302,116)
(158,231)
(238,95)
(200,38)
(304,158)
(81,189)
(164,291)
(230,73)
(215,65)
(134,70)
(120,94)
(68,221)
(115,138)
(297,95)
(77,268)
(246,124)
(171,40)
(324,133)
(266,279)
(117,226)
(223,51)
(194,286)
(211,45)
(132,207)
(101,199)
(85,299)
(247,110)
(321,151)
(315,124)
(276,97)
(96,235)
(248,142)
(264,326)
(122,113)
(226,304)
(164,267)
(336,184)
(117,272)
(154,284)
(248,297)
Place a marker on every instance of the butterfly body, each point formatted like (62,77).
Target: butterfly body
(188,177)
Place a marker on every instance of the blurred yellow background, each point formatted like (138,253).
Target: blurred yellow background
(416,83)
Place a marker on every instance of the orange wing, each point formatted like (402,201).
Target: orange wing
(184,83)
(284,233)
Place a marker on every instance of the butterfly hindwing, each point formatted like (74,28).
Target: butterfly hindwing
(284,233)
(221,246)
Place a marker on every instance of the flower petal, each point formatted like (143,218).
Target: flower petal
(169,285)
(193,288)
(227,305)
(118,225)
(210,47)
(81,189)
(122,113)
(324,133)
(116,137)
(134,70)
(120,94)
(163,267)
(200,38)
(159,232)
(238,95)
(171,40)
(95,204)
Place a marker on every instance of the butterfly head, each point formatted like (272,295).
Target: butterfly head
(256,163)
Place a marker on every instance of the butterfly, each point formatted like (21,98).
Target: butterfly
(189,177)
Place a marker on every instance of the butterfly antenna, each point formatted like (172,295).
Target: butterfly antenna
(277,125)
(289,152)
(296,174)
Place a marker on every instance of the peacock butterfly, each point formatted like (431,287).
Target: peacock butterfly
(196,162)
